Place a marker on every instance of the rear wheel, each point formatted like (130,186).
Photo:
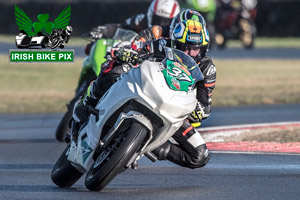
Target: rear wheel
(63,126)
(113,159)
(63,173)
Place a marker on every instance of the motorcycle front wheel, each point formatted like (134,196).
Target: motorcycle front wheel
(54,43)
(63,173)
(114,158)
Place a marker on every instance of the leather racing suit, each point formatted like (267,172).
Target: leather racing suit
(190,150)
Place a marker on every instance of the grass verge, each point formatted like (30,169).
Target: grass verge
(270,42)
(40,88)
(246,82)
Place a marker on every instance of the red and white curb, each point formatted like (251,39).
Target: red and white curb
(272,147)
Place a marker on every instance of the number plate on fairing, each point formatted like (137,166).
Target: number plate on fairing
(177,76)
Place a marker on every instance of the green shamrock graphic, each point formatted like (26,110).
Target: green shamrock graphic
(42,25)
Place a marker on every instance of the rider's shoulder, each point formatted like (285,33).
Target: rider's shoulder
(206,61)
(136,19)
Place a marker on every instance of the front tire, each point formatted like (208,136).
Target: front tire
(54,43)
(63,173)
(116,156)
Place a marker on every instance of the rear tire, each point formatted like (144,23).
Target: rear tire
(63,126)
(116,156)
(63,173)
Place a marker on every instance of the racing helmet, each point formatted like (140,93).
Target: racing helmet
(186,14)
(161,12)
(191,36)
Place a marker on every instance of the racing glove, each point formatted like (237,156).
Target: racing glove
(127,56)
(196,116)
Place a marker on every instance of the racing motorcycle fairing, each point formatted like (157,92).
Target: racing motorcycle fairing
(145,95)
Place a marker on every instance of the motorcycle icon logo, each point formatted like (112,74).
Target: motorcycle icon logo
(43,33)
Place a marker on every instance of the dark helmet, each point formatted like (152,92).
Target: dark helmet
(161,12)
(186,14)
(191,35)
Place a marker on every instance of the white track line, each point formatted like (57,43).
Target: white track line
(247,126)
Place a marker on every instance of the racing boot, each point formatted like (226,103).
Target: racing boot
(81,108)
(190,152)
(162,151)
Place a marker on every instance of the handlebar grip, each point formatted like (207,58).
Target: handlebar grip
(93,111)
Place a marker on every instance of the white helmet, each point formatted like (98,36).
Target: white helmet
(69,30)
(161,12)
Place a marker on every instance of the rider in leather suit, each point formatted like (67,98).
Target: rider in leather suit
(191,150)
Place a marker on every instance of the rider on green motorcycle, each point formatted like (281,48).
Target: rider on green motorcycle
(160,12)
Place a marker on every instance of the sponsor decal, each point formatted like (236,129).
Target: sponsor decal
(194,37)
(211,70)
(179,74)
(175,83)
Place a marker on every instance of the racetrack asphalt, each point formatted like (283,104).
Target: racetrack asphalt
(28,152)
(21,127)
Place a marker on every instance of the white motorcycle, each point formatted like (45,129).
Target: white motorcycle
(140,112)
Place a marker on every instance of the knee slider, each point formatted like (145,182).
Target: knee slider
(202,157)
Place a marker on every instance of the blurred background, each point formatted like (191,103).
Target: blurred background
(265,72)
(274,17)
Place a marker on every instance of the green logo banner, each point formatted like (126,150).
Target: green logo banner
(16,56)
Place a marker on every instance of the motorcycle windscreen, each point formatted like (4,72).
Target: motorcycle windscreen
(124,35)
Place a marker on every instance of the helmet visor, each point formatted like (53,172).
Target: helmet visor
(190,49)
(160,21)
